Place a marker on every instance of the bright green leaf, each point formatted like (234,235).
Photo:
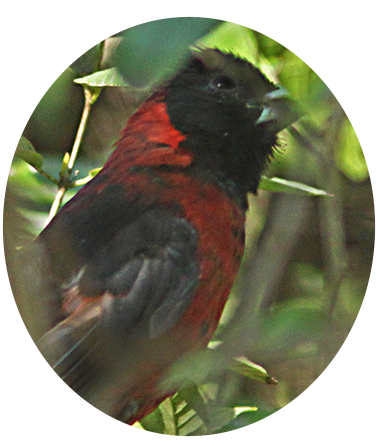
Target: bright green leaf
(33,158)
(247,368)
(153,422)
(104,78)
(349,156)
(25,151)
(94,172)
(240,410)
(91,174)
(167,410)
(230,37)
(189,413)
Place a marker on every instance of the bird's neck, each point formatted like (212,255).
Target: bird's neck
(150,139)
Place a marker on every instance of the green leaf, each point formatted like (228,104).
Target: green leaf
(153,422)
(167,410)
(191,412)
(292,422)
(194,367)
(110,77)
(91,174)
(290,326)
(94,172)
(230,37)
(33,195)
(241,410)
(247,368)
(280,185)
(25,151)
(221,416)
(149,52)
(202,414)
(67,39)
(349,155)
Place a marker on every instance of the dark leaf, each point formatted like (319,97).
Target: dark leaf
(149,51)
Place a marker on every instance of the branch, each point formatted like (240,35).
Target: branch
(90,96)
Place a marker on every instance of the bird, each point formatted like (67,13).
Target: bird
(134,271)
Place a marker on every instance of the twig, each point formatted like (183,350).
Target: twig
(90,96)
(48,176)
(57,203)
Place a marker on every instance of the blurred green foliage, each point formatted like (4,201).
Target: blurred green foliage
(308,259)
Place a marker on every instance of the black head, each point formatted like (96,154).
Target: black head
(230,113)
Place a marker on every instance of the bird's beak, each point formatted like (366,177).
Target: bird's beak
(279,110)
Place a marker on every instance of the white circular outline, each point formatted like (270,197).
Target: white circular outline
(364,299)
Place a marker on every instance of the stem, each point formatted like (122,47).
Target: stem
(48,176)
(56,204)
(90,96)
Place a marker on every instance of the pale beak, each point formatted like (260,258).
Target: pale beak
(279,110)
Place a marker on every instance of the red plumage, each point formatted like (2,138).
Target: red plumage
(138,266)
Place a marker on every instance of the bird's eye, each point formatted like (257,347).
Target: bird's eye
(224,83)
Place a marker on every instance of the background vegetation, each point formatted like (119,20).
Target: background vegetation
(308,258)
